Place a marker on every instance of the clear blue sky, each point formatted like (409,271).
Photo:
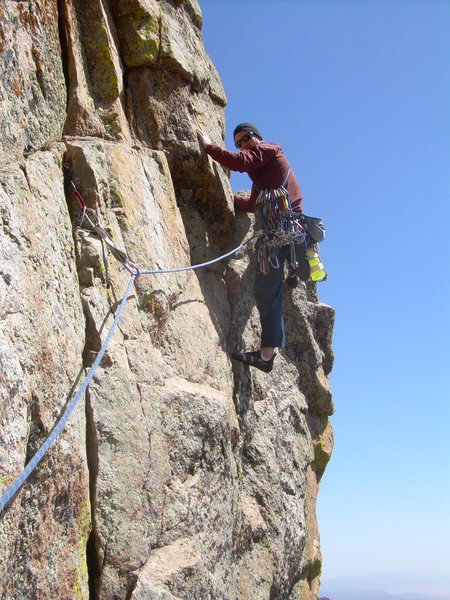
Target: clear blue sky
(358,95)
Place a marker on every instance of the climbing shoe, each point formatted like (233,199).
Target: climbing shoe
(253,359)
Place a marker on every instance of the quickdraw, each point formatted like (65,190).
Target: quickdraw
(91,217)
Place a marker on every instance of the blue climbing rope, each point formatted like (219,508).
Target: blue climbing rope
(135,272)
(192,267)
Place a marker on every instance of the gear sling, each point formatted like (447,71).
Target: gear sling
(276,225)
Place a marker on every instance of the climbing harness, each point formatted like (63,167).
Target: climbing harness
(135,272)
(276,225)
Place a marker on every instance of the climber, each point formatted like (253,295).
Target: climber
(267,167)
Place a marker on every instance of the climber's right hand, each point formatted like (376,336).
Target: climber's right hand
(203,138)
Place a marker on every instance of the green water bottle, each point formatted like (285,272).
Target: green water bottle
(318,273)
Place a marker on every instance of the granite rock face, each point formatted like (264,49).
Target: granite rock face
(179,474)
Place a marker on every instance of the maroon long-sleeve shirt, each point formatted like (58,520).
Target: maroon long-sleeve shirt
(266,166)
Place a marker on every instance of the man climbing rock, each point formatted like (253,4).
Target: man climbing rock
(268,169)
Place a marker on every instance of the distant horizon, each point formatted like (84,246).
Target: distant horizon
(395,584)
(394,572)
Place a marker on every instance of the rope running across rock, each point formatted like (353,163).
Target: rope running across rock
(122,257)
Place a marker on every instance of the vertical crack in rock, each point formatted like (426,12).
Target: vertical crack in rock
(63,45)
(37,430)
(91,346)
(93,557)
(39,71)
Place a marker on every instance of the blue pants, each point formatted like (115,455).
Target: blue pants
(268,291)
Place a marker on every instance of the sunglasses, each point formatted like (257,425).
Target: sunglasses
(243,139)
